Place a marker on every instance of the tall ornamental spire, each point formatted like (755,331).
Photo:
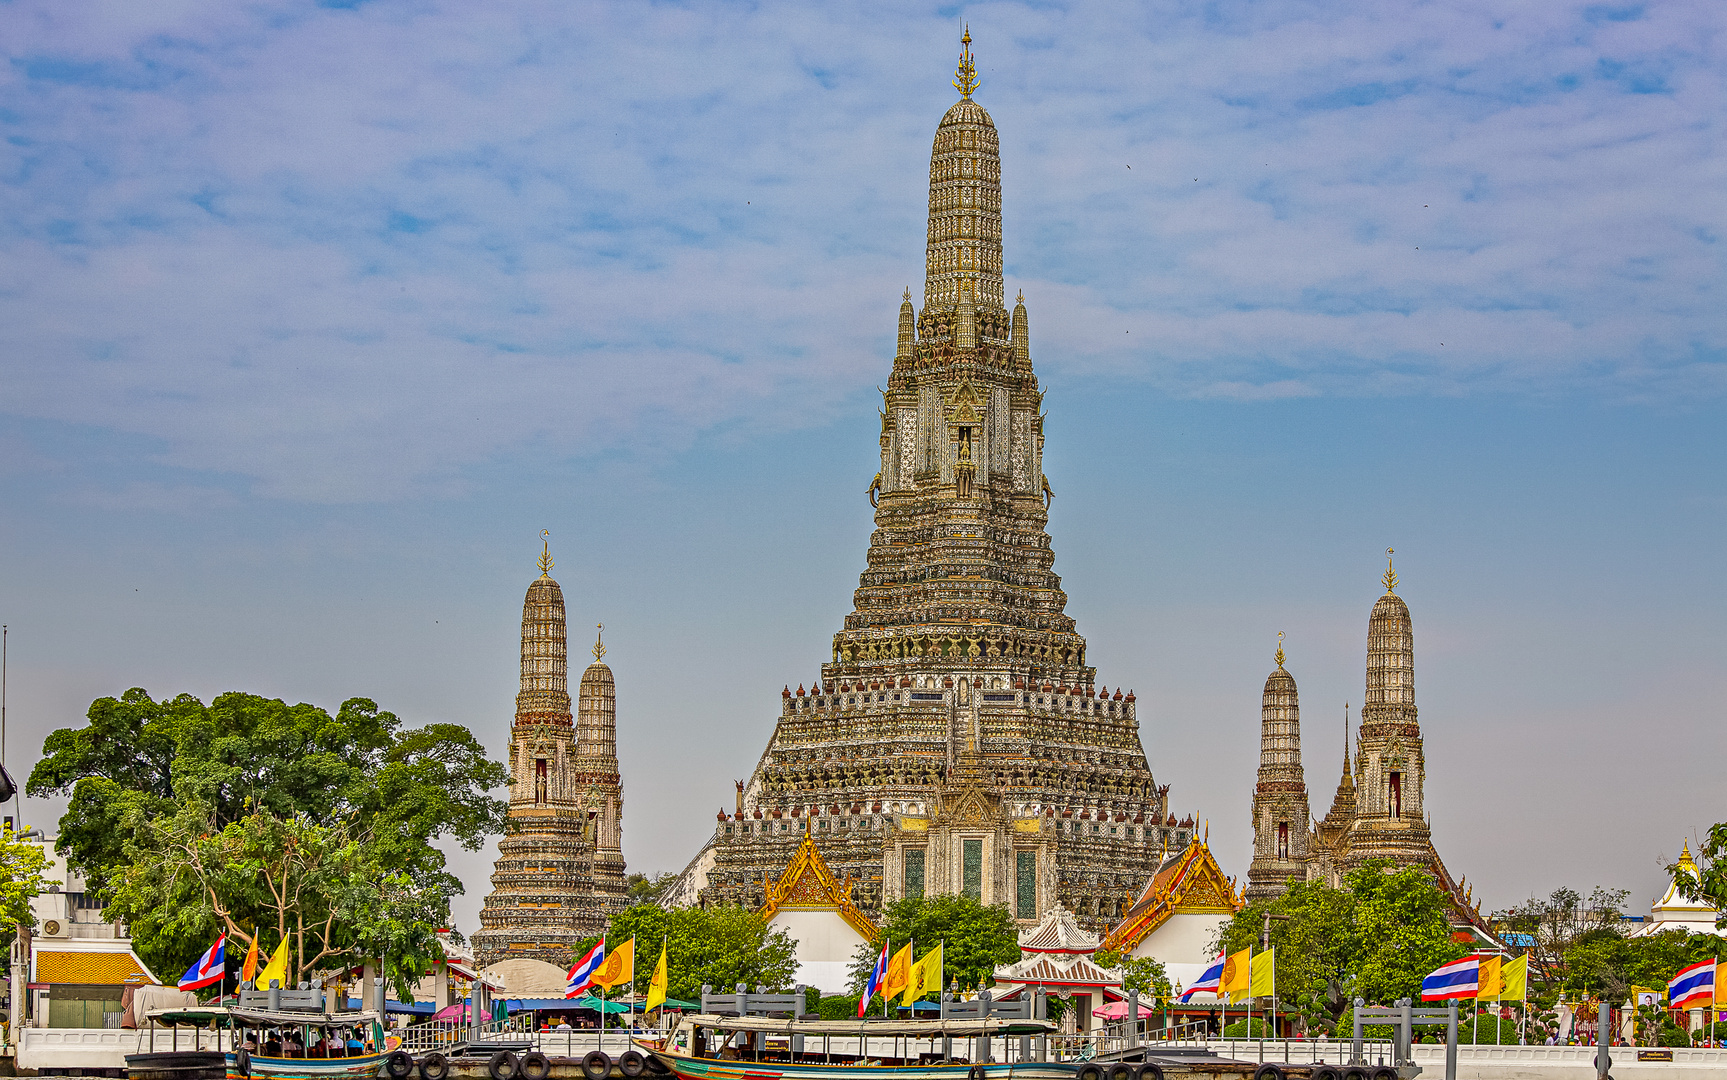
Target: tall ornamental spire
(599,783)
(1280,812)
(545,692)
(963,259)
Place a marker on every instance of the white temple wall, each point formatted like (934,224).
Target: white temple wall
(826,944)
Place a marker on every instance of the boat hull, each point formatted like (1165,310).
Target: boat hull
(695,1068)
(274,1068)
(178,1065)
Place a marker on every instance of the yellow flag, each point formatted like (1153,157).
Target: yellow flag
(1262,980)
(932,970)
(1235,975)
(1487,983)
(898,974)
(619,966)
(657,984)
(276,969)
(249,970)
(1514,979)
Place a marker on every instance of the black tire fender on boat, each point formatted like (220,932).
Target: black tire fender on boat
(399,1065)
(434,1066)
(242,1063)
(1151,1070)
(596,1065)
(1327,1072)
(1386,1072)
(536,1066)
(1091,1072)
(656,1066)
(1268,1071)
(632,1064)
(1120,1072)
(1354,1072)
(504,1066)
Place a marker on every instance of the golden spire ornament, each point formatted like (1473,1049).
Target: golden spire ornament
(965,77)
(599,642)
(1279,657)
(1390,578)
(545,554)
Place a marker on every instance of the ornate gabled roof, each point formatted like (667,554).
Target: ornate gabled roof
(1190,882)
(1058,933)
(808,884)
(1465,909)
(1051,970)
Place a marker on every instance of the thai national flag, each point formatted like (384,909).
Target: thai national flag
(209,969)
(1693,987)
(1208,983)
(875,980)
(582,973)
(1458,979)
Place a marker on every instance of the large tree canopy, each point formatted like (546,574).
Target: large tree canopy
(976,939)
(717,946)
(154,784)
(1375,937)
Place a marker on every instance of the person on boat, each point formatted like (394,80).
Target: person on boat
(563,1024)
(294,1045)
(272,1047)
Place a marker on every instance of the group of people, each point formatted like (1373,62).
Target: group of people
(288,1042)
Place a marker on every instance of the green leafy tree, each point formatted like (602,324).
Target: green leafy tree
(21,866)
(1709,882)
(976,939)
(646,889)
(1606,962)
(1376,937)
(717,946)
(139,765)
(1551,925)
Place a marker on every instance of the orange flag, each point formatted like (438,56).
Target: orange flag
(249,970)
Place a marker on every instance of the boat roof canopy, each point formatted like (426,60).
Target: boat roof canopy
(916,1029)
(204,1015)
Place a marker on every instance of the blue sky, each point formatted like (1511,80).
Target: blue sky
(311,317)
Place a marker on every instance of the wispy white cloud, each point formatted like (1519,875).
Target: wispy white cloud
(348,254)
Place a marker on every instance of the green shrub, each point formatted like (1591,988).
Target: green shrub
(1673,1035)
(1241,1030)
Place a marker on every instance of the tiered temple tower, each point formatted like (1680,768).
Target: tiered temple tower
(600,789)
(1389,822)
(956,740)
(553,882)
(1280,814)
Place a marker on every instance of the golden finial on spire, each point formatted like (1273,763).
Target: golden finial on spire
(965,78)
(907,297)
(545,554)
(1021,299)
(1390,578)
(1280,650)
(599,642)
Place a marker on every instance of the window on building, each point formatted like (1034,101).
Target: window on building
(1396,794)
(1283,840)
(914,874)
(1025,892)
(540,781)
(971,868)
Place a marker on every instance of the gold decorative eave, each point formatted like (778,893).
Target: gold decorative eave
(808,865)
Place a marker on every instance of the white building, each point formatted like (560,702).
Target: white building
(1675,912)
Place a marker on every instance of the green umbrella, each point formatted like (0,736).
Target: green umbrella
(587,1001)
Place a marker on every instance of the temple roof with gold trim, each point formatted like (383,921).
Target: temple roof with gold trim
(91,968)
(808,885)
(1190,882)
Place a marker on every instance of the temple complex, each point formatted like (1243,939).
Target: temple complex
(560,868)
(1377,812)
(955,741)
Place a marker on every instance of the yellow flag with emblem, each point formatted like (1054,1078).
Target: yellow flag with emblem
(657,985)
(619,966)
(276,969)
(1262,975)
(898,974)
(1236,979)
(1514,979)
(1487,984)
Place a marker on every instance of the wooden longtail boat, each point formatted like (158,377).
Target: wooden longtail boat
(235,1062)
(705,1047)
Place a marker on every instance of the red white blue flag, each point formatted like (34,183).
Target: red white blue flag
(1693,987)
(1458,979)
(209,969)
(582,974)
(877,977)
(1208,983)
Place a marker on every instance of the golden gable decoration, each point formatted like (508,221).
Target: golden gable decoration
(1190,883)
(808,884)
